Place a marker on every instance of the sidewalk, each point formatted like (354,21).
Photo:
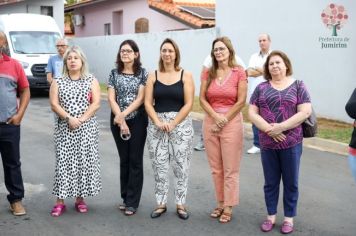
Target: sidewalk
(315,143)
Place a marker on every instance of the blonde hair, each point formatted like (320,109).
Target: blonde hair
(84,71)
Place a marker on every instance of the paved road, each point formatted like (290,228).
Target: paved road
(326,207)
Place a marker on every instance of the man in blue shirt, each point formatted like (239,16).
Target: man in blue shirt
(55,63)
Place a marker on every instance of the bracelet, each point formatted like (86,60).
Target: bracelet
(67,118)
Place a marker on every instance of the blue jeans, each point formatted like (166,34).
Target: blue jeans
(277,164)
(352,164)
(256,140)
(10,154)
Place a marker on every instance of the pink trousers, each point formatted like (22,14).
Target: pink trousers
(224,151)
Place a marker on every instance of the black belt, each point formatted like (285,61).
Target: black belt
(3,123)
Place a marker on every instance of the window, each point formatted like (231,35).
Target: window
(47,10)
(107,29)
(141,25)
(34,42)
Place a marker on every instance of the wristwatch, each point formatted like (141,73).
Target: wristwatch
(67,118)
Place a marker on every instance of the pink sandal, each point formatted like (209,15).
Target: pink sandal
(58,209)
(81,207)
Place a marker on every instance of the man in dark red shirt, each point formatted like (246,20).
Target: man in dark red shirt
(13,83)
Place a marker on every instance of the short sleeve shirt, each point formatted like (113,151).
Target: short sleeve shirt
(223,96)
(55,66)
(276,106)
(256,60)
(126,87)
(12,81)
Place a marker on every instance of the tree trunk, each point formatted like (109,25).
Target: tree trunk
(334,29)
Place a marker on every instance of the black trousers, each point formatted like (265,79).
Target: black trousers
(131,158)
(10,154)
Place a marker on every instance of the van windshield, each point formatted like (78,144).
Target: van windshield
(34,42)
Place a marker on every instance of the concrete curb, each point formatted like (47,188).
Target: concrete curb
(315,143)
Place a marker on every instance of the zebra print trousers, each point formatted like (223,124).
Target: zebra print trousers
(175,146)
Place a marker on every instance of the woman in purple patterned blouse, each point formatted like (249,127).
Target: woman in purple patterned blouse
(278,107)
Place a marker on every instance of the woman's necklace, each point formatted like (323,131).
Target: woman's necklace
(74,77)
(223,75)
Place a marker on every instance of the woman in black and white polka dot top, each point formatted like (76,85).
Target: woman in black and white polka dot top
(75,97)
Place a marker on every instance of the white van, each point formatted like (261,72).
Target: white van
(31,40)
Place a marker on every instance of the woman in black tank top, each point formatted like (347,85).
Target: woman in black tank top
(169,96)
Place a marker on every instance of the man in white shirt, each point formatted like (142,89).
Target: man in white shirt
(206,65)
(255,77)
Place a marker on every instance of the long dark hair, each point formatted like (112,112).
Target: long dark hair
(136,67)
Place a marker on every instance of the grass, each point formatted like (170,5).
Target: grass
(103,87)
(334,130)
(327,129)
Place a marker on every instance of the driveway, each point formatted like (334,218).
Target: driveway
(326,204)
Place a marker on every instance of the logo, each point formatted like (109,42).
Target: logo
(334,17)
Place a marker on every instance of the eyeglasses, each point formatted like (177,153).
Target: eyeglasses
(127,51)
(220,49)
(61,46)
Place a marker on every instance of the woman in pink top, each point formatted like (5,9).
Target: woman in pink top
(222,96)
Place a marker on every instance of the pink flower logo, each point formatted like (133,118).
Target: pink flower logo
(334,17)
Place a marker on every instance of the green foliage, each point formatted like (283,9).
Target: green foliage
(337,134)
(327,129)
(69,2)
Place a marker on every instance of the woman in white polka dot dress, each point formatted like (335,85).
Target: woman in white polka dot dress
(75,98)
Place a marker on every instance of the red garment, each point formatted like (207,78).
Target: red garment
(352,151)
(223,97)
(11,69)
(12,81)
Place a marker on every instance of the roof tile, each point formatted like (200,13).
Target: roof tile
(172,8)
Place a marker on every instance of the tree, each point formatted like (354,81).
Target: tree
(70,2)
(334,17)
(69,15)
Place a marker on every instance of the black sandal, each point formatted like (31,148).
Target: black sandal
(129,211)
(182,213)
(157,213)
